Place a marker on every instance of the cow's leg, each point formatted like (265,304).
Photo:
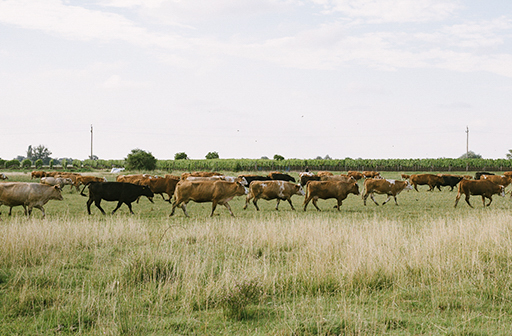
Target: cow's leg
(306,202)
(129,204)
(490,200)
(395,200)
(89,202)
(226,204)
(467,200)
(184,208)
(387,200)
(457,198)
(247,199)
(98,205)
(277,204)
(314,203)
(117,206)
(340,202)
(373,199)
(174,205)
(291,204)
(214,205)
(416,187)
(40,207)
(255,202)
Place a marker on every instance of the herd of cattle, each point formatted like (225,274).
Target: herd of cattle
(219,189)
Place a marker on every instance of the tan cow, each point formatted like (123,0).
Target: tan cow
(509,173)
(329,189)
(217,192)
(28,195)
(269,190)
(324,173)
(57,181)
(405,176)
(426,179)
(72,176)
(503,180)
(355,174)
(386,187)
(343,178)
(485,188)
(371,174)
(164,185)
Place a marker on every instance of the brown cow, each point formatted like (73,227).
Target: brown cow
(3,177)
(217,192)
(269,190)
(509,173)
(343,178)
(430,179)
(72,176)
(355,174)
(164,185)
(85,179)
(324,173)
(139,179)
(371,174)
(37,174)
(485,188)
(28,195)
(305,177)
(386,187)
(405,176)
(329,189)
(503,180)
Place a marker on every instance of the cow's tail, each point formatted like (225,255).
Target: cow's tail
(82,192)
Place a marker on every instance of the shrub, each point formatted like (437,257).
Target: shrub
(51,163)
(64,163)
(180,156)
(278,157)
(2,163)
(77,164)
(139,159)
(235,300)
(12,164)
(38,163)
(26,164)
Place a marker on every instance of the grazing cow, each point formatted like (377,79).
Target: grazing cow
(28,195)
(329,189)
(355,174)
(3,177)
(405,176)
(37,174)
(115,191)
(200,174)
(164,185)
(217,192)
(386,187)
(449,180)
(250,177)
(305,177)
(269,190)
(85,180)
(426,179)
(485,188)
(324,173)
(479,174)
(60,181)
(281,177)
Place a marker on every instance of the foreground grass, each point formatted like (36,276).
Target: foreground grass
(419,268)
(281,276)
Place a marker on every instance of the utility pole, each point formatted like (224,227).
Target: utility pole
(91,143)
(467,148)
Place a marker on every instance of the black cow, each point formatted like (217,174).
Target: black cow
(449,181)
(121,192)
(281,177)
(479,174)
(304,178)
(250,178)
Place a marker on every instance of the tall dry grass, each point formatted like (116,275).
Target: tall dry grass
(112,270)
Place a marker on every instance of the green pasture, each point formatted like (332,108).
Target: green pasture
(420,268)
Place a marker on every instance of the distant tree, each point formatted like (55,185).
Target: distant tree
(180,156)
(212,155)
(64,163)
(265,158)
(471,155)
(26,163)
(139,159)
(77,164)
(39,152)
(509,154)
(318,157)
(327,157)
(51,163)
(278,157)
(39,163)
(2,163)
(94,157)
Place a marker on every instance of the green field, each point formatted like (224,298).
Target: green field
(422,267)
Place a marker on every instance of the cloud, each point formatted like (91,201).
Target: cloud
(115,82)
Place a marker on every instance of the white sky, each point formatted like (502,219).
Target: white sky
(299,78)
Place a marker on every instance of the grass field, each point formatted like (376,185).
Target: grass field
(420,268)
